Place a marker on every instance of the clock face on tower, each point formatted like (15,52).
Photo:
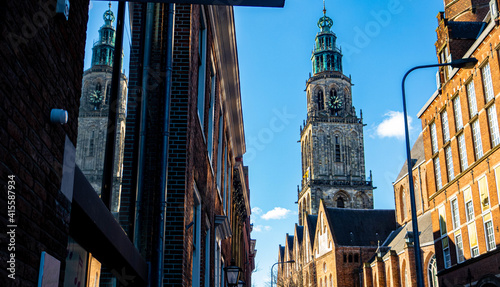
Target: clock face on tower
(335,102)
(95,98)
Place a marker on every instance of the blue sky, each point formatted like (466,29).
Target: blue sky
(380,40)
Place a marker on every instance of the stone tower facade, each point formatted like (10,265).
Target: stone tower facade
(333,161)
(93,115)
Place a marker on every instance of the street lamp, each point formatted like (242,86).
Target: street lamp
(289,261)
(467,63)
(232,274)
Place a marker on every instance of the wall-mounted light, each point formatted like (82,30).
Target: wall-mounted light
(58,116)
(62,8)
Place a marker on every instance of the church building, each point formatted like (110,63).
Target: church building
(324,249)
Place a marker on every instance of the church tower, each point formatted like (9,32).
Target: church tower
(93,114)
(333,161)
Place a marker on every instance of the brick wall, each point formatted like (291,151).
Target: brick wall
(42,66)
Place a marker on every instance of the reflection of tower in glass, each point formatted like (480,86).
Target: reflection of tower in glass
(333,160)
(93,116)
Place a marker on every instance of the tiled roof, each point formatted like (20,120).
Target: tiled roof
(465,30)
(360,227)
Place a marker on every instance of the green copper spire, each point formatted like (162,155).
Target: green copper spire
(326,57)
(103,50)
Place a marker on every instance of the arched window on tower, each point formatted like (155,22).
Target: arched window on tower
(340,202)
(337,149)
(321,100)
(108,93)
(98,87)
(329,63)
(403,204)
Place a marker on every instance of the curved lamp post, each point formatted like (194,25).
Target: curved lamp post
(467,63)
(289,261)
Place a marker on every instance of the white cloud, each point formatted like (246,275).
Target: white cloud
(392,125)
(260,228)
(256,210)
(276,213)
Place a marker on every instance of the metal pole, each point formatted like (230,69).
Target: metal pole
(290,261)
(416,240)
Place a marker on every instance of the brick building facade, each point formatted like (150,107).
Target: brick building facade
(461,140)
(59,229)
(203,225)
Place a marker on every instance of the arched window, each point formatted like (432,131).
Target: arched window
(340,202)
(356,257)
(432,272)
(350,258)
(108,93)
(321,100)
(403,203)
(98,87)
(337,149)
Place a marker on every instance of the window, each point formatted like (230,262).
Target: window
(202,59)
(460,247)
(483,193)
(469,208)
(497,178)
(207,258)
(455,215)
(437,170)
(473,239)
(471,98)
(446,58)
(493,123)
(442,220)
(321,100)
(446,252)
(403,203)
(489,232)
(457,109)
(217,265)
(449,163)
(91,144)
(226,176)
(340,202)
(462,152)
(445,126)
(337,149)
(434,140)
(488,86)
(432,272)
(476,135)
(196,238)
(211,111)
(219,153)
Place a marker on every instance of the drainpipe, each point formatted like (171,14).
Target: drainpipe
(143,121)
(165,130)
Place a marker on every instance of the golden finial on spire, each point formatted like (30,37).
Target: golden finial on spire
(324,8)
(109,4)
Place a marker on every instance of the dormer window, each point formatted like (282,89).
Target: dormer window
(445,57)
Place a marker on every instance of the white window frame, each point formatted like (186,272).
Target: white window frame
(455,213)
(457,109)
(459,243)
(434,141)
(445,126)
(437,172)
(462,150)
(487,83)
(476,139)
(449,163)
(493,125)
(490,242)
(471,98)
